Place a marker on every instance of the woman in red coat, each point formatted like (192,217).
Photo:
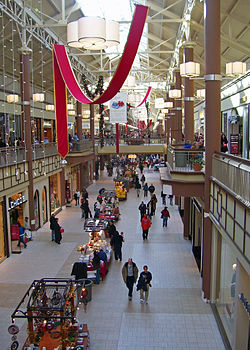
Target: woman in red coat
(145,224)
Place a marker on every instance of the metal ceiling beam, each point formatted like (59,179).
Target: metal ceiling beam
(158,9)
(159,41)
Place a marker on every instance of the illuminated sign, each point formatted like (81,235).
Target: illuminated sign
(15,203)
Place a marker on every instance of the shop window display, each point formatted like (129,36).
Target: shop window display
(226,301)
(36,210)
(54,190)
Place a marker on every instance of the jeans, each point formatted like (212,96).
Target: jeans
(145,234)
(21,240)
(164,200)
(118,253)
(145,193)
(138,192)
(52,235)
(130,285)
(165,221)
(97,276)
(146,294)
(171,201)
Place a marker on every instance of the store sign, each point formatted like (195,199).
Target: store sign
(15,203)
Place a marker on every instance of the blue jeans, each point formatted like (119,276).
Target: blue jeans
(21,239)
(165,221)
(52,235)
(97,277)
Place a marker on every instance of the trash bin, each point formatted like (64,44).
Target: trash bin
(84,290)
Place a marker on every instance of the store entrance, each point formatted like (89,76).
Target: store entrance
(196,231)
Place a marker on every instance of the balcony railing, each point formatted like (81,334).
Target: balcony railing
(180,159)
(14,155)
(233,172)
(134,141)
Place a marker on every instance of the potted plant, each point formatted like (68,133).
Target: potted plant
(197,163)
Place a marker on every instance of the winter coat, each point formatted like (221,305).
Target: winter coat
(142,208)
(165,213)
(145,223)
(141,282)
(125,272)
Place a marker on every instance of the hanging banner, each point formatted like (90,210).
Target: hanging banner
(118,108)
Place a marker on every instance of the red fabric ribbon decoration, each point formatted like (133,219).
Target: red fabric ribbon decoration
(145,98)
(64,76)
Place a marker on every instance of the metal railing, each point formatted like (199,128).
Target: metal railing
(14,155)
(134,141)
(233,172)
(180,159)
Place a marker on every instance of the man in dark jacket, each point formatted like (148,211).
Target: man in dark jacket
(130,275)
(111,229)
(151,189)
(96,266)
(143,209)
(144,284)
(58,235)
(52,221)
(117,241)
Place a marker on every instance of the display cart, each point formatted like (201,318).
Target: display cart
(110,212)
(50,305)
(96,229)
(121,188)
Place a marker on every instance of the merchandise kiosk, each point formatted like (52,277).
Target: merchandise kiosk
(51,314)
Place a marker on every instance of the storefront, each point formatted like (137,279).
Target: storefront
(16,208)
(36,210)
(4,248)
(55,193)
(44,206)
(226,297)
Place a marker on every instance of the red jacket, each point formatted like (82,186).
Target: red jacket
(145,223)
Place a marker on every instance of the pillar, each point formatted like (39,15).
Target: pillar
(189,97)
(82,176)
(178,109)
(25,103)
(102,162)
(186,217)
(79,119)
(62,185)
(92,135)
(212,123)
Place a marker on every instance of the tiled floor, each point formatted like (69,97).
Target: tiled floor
(176,318)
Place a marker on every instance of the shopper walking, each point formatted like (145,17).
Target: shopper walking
(163,197)
(154,202)
(145,189)
(85,209)
(21,235)
(151,189)
(111,230)
(138,187)
(27,230)
(96,266)
(75,198)
(143,209)
(143,179)
(58,235)
(145,224)
(165,216)
(130,275)
(52,221)
(170,199)
(117,241)
(78,196)
(144,284)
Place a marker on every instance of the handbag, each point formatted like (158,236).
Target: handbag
(61,229)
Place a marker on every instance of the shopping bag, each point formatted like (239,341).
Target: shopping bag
(61,229)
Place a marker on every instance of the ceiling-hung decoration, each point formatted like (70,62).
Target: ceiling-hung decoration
(145,98)
(64,76)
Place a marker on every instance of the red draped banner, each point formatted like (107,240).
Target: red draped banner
(64,76)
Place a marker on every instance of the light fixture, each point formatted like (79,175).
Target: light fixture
(50,107)
(70,106)
(72,34)
(93,33)
(106,118)
(12,98)
(129,83)
(71,112)
(201,93)
(38,97)
(190,69)
(234,69)
(168,104)
(164,110)
(174,93)
(159,103)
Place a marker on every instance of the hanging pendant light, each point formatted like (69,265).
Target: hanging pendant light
(159,103)
(50,107)
(12,98)
(38,97)
(112,33)
(72,34)
(190,69)
(201,93)
(168,104)
(235,69)
(71,113)
(70,106)
(175,93)
(92,32)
